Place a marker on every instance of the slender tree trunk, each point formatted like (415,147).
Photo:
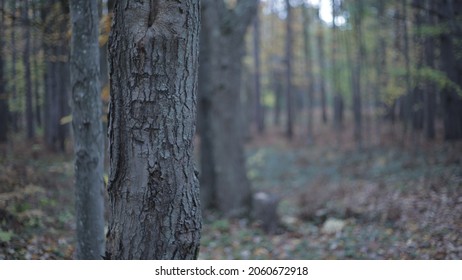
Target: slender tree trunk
(430,89)
(153,189)
(15,114)
(338,100)
(357,74)
(259,120)
(36,71)
(381,67)
(308,71)
(289,39)
(30,123)
(88,129)
(4,112)
(224,182)
(322,70)
(408,98)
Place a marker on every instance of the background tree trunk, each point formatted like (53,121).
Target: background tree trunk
(153,189)
(259,117)
(224,182)
(338,99)
(88,129)
(4,112)
(308,71)
(30,122)
(56,17)
(322,69)
(289,38)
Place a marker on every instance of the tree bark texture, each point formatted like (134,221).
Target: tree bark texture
(153,188)
(224,182)
(88,129)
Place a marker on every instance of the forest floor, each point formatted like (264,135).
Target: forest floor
(386,201)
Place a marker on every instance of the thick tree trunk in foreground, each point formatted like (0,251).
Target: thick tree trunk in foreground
(224,182)
(88,129)
(153,189)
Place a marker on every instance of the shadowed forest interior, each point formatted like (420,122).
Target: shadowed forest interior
(314,129)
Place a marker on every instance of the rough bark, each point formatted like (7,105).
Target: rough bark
(88,130)
(153,188)
(224,182)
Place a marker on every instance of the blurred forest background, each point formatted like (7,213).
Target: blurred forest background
(343,126)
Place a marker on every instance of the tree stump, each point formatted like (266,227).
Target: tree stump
(264,211)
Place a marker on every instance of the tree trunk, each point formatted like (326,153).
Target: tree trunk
(357,74)
(30,122)
(15,112)
(88,129)
(430,89)
(308,72)
(36,81)
(4,112)
(55,45)
(259,120)
(338,99)
(322,69)
(153,188)
(289,39)
(452,102)
(224,182)
(381,66)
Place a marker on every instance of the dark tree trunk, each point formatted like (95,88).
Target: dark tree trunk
(357,73)
(451,65)
(338,99)
(55,44)
(88,130)
(308,71)
(289,99)
(224,182)
(4,112)
(15,114)
(259,119)
(381,65)
(30,123)
(153,189)
(36,71)
(430,89)
(322,69)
